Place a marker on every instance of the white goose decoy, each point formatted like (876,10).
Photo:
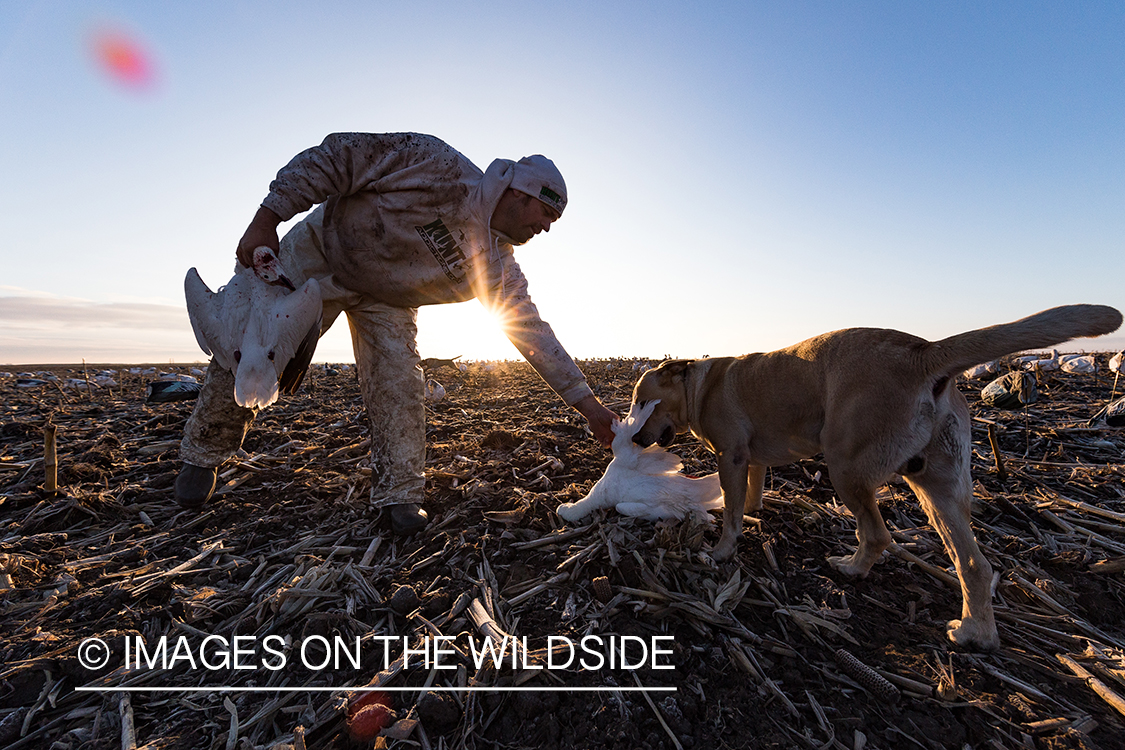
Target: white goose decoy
(646,482)
(258,326)
(1078,363)
(1050,364)
(982,370)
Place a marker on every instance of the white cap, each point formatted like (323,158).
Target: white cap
(539,177)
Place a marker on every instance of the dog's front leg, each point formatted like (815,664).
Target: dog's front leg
(755,487)
(733,475)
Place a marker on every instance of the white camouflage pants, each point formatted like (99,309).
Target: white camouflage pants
(390,376)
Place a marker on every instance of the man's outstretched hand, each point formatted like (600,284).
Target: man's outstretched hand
(600,418)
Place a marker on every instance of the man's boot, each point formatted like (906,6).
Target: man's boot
(407,518)
(195,485)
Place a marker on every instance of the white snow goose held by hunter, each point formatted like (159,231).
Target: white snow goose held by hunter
(258,326)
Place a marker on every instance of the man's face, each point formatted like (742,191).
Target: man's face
(520,216)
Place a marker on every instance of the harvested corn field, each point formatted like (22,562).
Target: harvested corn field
(286,568)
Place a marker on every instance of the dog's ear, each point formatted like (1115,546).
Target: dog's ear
(675,368)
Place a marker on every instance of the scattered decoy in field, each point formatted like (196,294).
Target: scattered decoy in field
(1115,413)
(1011,391)
(982,370)
(177,376)
(1044,365)
(435,391)
(165,391)
(30,382)
(1078,363)
(258,326)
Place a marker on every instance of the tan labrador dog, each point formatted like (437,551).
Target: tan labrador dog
(876,403)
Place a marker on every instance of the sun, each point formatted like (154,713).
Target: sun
(463,329)
(466,329)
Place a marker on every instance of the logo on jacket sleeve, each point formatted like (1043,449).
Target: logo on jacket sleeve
(444,248)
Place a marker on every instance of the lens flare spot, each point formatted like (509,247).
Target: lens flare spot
(123,58)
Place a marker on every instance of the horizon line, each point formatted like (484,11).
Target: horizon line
(204,363)
(367,688)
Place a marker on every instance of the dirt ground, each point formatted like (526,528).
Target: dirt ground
(290,549)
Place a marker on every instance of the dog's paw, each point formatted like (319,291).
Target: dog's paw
(971,634)
(724,550)
(847,565)
(571,512)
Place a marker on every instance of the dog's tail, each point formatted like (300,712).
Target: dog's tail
(1038,331)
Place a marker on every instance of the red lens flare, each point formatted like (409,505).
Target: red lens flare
(123,58)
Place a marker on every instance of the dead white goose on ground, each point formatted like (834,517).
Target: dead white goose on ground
(646,482)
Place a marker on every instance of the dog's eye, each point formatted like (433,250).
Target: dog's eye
(238,356)
(270,355)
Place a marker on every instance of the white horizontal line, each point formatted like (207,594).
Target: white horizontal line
(478,689)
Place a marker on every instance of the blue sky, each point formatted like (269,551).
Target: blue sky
(741,175)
